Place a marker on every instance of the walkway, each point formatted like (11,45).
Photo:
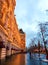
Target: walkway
(24,59)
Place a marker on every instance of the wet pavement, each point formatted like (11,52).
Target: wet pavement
(35,59)
(25,59)
(18,59)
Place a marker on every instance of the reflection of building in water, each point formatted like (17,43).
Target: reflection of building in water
(10,40)
(22,34)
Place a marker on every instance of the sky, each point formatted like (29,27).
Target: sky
(29,13)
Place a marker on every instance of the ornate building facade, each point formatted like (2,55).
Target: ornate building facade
(23,38)
(10,38)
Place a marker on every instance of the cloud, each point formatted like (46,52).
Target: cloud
(29,14)
(43,4)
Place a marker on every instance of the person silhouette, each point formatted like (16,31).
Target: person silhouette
(30,54)
(47,56)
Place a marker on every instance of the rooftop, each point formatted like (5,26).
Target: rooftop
(21,31)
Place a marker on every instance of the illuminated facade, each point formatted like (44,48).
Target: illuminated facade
(23,40)
(8,21)
(10,39)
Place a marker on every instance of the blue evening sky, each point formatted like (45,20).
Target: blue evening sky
(28,14)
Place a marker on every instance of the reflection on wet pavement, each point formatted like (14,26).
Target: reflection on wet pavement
(25,59)
(35,60)
(15,60)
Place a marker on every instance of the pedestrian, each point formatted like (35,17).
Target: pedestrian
(30,54)
(47,56)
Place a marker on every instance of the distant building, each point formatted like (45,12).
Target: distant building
(23,40)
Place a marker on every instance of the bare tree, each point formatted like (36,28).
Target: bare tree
(42,28)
